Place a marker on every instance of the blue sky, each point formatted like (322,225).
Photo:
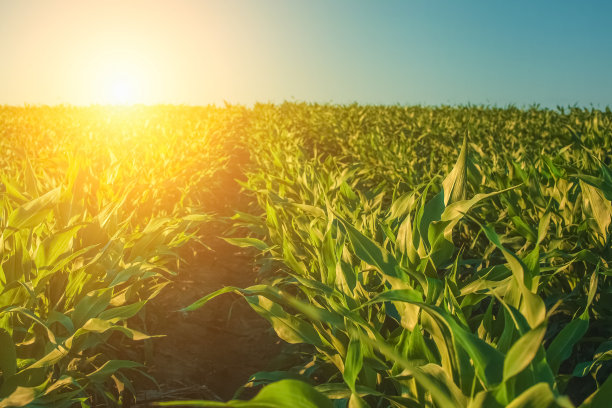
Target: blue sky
(382,52)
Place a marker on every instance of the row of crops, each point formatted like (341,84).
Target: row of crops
(94,206)
(420,257)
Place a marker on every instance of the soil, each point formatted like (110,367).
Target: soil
(211,352)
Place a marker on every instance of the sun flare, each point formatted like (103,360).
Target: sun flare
(122,83)
(122,91)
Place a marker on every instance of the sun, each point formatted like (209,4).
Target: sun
(121,83)
(122,91)
(121,88)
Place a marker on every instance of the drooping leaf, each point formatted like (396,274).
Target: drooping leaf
(248,242)
(281,394)
(522,353)
(109,368)
(33,212)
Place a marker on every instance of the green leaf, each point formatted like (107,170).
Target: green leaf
(543,226)
(484,399)
(34,212)
(439,392)
(455,184)
(599,207)
(202,301)
(370,252)
(122,312)
(55,316)
(248,242)
(561,347)
(8,355)
(399,295)
(19,262)
(109,368)
(281,394)
(288,327)
(265,301)
(430,212)
(488,362)
(12,190)
(523,352)
(532,305)
(153,236)
(592,290)
(538,396)
(402,205)
(50,358)
(91,305)
(600,398)
(353,363)
(21,397)
(455,211)
(524,229)
(54,246)
(603,353)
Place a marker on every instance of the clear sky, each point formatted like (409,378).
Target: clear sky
(338,51)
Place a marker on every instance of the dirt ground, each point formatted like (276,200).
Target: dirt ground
(210,352)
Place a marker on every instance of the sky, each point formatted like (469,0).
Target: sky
(552,53)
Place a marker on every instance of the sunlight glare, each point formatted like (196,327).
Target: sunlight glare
(122,91)
(122,83)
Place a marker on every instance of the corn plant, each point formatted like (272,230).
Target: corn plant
(435,296)
(426,256)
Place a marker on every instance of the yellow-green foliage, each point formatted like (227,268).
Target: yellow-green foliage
(429,256)
(93,202)
(436,256)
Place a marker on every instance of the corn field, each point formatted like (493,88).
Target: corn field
(412,256)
